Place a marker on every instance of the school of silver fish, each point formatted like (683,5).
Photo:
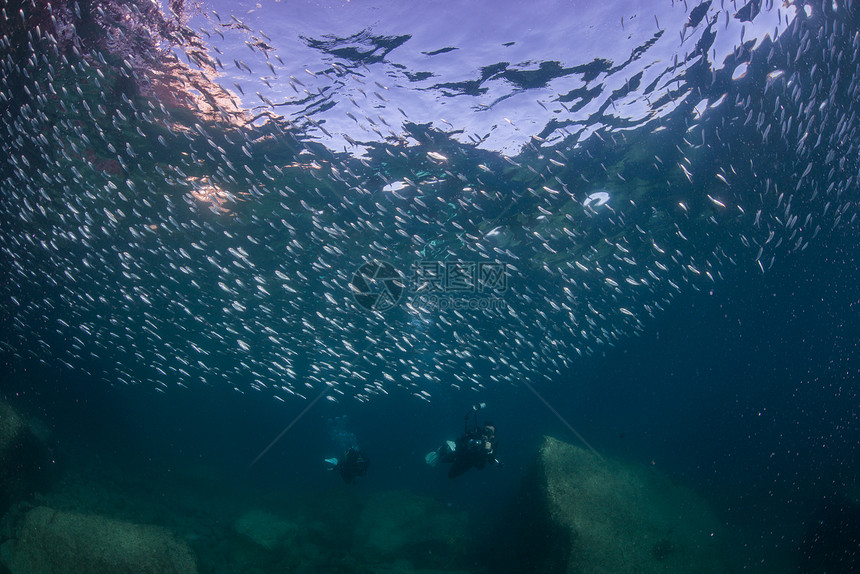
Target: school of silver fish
(165,223)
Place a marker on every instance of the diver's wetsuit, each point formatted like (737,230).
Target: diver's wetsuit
(353,464)
(474,449)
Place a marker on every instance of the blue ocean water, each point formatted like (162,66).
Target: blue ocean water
(748,394)
(196,200)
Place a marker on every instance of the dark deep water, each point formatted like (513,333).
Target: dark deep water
(748,394)
(173,277)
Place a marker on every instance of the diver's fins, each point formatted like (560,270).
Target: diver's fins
(432,458)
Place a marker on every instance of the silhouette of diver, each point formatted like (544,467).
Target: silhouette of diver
(354,462)
(475,449)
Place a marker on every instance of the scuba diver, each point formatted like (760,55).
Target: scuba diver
(352,465)
(354,462)
(475,448)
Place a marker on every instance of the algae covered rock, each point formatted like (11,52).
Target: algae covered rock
(406,567)
(23,456)
(580,514)
(400,524)
(11,427)
(56,542)
(266,529)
